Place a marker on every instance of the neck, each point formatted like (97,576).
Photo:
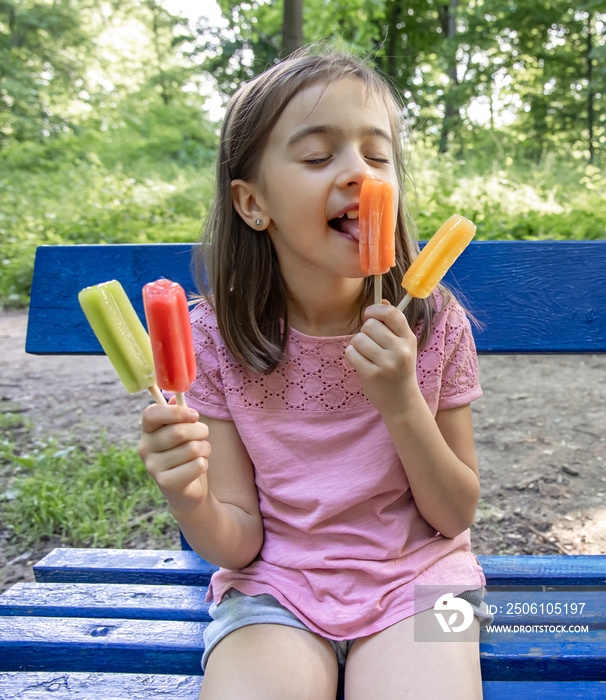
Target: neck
(322,311)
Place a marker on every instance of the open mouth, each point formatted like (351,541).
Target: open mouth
(348,225)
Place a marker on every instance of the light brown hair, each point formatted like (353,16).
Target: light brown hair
(248,290)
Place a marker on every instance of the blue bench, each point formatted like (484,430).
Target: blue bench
(122,624)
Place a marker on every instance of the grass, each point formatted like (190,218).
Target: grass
(85,497)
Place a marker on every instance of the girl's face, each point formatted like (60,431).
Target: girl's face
(327,141)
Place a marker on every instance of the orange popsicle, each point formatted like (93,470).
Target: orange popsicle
(377,231)
(169,329)
(432,263)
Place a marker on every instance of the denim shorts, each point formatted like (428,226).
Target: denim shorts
(237,610)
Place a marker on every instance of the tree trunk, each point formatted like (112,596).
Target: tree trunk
(448,16)
(292,27)
(393,13)
(590,95)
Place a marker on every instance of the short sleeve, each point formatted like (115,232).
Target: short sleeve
(207,393)
(460,370)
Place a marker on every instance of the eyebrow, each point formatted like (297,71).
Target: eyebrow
(327,130)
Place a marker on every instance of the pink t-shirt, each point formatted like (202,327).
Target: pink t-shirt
(344,543)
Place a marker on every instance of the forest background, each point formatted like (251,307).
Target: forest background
(109,118)
(106,133)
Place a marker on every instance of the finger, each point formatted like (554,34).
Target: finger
(180,477)
(378,332)
(160,462)
(358,361)
(367,349)
(156,416)
(171,436)
(390,316)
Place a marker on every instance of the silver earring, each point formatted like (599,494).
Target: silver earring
(258,222)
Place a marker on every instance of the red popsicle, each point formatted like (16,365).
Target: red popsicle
(377,231)
(169,329)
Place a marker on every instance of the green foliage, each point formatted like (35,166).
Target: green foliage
(85,497)
(146,178)
(42,65)
(128,156)
(553,199)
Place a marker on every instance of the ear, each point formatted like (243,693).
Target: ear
(249,204)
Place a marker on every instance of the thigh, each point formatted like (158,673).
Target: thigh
(267,662)
(390,665)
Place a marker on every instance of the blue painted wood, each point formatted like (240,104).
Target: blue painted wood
(136,646)
(548,656)
(109,686)
(114,686)
(167,567)
(187,603)
(533,570)
(57,324)
(142,602)
(544,690)
(552,607)
(187,568)
(531,296)
(100,645)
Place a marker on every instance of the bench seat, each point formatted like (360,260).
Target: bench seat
(119,686)
(131,622)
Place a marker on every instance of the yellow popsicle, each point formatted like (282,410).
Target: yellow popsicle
(434,261)
(122,335)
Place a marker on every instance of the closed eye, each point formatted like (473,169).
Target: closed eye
(316,161)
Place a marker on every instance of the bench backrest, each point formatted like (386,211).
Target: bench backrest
(529,296)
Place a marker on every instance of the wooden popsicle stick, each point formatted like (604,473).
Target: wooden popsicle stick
(405,302)
(180,398)
(378,288)
(157,394)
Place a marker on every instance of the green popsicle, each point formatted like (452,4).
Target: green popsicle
(122,335)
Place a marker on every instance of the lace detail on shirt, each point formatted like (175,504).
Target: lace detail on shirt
(314,375)
(449,363)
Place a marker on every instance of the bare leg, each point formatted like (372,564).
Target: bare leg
(271,662)
(390,665)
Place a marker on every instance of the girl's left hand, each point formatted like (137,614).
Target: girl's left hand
(384,354)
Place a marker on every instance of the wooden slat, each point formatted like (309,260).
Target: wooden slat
(136,646)
(109,686)
(539,570)
(156,567)
(548,656)
(523,607)
(116,600)
(100,645)
(187,603)
(187,568)
(84,686)
(531,296)
(546,690)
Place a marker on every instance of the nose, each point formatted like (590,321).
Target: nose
(354,170)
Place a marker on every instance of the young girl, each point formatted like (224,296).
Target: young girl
(342,478)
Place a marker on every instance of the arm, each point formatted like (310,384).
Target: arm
(211,493)
(439,452)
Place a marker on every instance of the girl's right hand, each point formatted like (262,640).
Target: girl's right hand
(174,449)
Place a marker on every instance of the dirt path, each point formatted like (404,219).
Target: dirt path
(540,435)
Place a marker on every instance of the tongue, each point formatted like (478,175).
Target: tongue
(350,226)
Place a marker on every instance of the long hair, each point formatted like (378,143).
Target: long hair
(245,284)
